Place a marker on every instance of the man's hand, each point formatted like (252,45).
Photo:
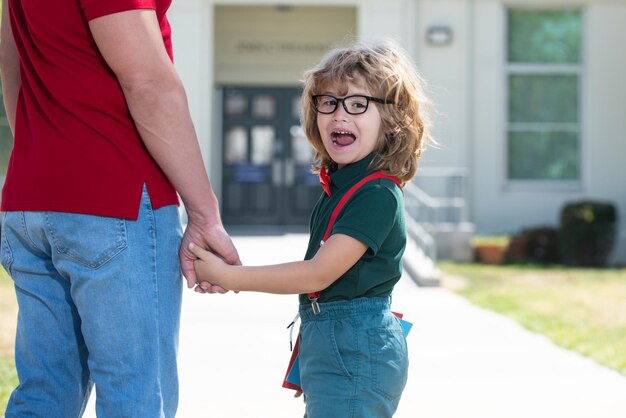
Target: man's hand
(214,238)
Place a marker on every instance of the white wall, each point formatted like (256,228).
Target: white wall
(605,93)
(379,20)
(192,37)
(447,71)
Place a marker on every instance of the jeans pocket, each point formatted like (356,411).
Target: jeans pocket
(389,357)
(89,240)
(344,346)
(6,256)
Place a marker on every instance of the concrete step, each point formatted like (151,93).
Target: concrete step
(421,268)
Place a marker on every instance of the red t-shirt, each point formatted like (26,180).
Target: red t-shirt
(76,146)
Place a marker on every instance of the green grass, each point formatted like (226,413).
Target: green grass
(8,380)
(583,310)
(498,240)
(8,311)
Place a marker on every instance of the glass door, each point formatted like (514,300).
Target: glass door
(266,158)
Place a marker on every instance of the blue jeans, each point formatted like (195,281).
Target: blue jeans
(99,303)
(353,359)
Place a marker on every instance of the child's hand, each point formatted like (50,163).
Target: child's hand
(209,268)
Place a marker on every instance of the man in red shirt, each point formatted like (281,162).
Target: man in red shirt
(90,233)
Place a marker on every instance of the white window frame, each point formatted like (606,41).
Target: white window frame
(544,69)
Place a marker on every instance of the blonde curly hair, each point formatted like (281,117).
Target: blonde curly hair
(390,74)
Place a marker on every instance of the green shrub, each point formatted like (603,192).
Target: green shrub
(516,251)
(588,230)
(543,245)
(537,245)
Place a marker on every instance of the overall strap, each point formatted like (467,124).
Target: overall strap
(342,202)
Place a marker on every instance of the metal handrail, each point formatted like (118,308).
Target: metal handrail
(422,238)
(426,213)
(433,209)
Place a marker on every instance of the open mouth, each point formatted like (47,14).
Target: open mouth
(342,138)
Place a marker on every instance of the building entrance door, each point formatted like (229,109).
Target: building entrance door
(266,158)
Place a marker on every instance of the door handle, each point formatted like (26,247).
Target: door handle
(277,175)
(290,172)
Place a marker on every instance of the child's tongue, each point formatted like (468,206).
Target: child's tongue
(344,139)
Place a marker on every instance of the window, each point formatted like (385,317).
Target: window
(543,77)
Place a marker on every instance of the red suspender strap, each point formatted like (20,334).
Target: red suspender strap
(342,202)
(348,195)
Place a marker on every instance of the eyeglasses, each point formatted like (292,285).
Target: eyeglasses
(354,105)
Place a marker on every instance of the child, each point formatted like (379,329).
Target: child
(363,111)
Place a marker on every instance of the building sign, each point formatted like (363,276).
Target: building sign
(282,47)
(261,45)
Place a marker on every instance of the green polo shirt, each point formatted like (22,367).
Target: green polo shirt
(373,215)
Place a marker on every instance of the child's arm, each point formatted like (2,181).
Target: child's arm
(332,260)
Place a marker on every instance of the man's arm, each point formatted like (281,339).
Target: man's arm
(132,45)
(9,66)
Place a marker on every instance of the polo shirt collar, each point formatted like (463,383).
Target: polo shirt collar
(347,175)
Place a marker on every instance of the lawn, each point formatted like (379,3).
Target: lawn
(583,310)
(8,312)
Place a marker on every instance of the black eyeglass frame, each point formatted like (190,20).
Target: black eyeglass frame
(368,99)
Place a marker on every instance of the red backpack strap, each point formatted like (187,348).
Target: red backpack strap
(342,202)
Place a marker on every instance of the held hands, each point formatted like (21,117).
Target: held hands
(208,235)
(210,271)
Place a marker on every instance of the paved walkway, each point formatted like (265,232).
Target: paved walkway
(466,362)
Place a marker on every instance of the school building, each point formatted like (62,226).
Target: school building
(530,98)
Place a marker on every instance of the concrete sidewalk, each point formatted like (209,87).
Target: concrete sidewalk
(466,362)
